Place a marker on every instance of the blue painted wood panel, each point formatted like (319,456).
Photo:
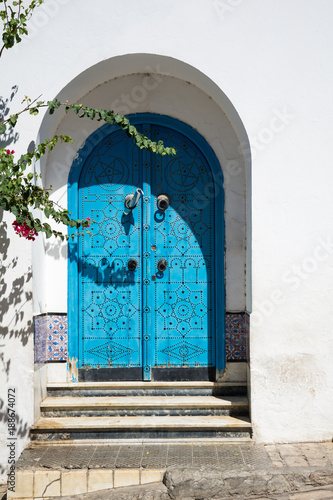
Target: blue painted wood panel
(110,294)
(147,318)
(183,295)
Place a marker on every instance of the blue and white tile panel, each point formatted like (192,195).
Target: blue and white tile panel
(50,337)
(237,329)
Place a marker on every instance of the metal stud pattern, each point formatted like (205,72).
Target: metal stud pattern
(184,293)
(109,291)
(147,318)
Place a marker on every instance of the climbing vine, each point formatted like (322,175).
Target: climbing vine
(15,17)
(20,193)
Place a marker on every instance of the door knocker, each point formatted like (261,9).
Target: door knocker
(163,202)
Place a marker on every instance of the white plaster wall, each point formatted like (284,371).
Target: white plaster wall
(273,61)
(56,372)
(40,392)
(16,338)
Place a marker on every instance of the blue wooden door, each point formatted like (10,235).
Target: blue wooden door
(109,294)
(152,322)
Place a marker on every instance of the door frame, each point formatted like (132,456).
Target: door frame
(73,243)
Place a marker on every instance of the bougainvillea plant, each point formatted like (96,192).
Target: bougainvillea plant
(21,195)
(20,192)
(15,17)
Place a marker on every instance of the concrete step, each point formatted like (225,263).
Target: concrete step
(100,423)
(140,427)
(143,405)
(147,388)
(125,411)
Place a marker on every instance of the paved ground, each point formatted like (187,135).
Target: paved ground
(245,456)
(201,472)
(324,493)
(151,456)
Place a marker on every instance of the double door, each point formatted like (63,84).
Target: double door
(146,272)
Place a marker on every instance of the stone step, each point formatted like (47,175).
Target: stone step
(101,423)
(141,441)
(147,388)
(168,427)
(143,405)
(128,411)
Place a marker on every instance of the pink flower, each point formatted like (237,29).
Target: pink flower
(88,218)
(10,152)
(25,231)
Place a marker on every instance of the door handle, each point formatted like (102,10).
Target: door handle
(132,200)
(162,265)
(132,264)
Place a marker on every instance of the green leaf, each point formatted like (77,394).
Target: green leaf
(27,157)
(47,230)
(12,120)
(2,128)
(66,138)
(14,210)
(109,119)
(76,108)
(90,113)
(101,113)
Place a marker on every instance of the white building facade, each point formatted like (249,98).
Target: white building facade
(253,79)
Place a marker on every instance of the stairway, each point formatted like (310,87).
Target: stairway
(143,411)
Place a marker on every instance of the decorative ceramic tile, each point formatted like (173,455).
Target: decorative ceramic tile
(237,336)
(39,339)
(50,337)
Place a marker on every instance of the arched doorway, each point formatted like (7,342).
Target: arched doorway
(146,288)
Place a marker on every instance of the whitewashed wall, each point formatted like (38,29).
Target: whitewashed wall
(16,338)
(272,60)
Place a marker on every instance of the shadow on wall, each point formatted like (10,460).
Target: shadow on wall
(12,299)
(10,136)
(56,249)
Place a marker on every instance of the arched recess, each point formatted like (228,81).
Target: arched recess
(136,83)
